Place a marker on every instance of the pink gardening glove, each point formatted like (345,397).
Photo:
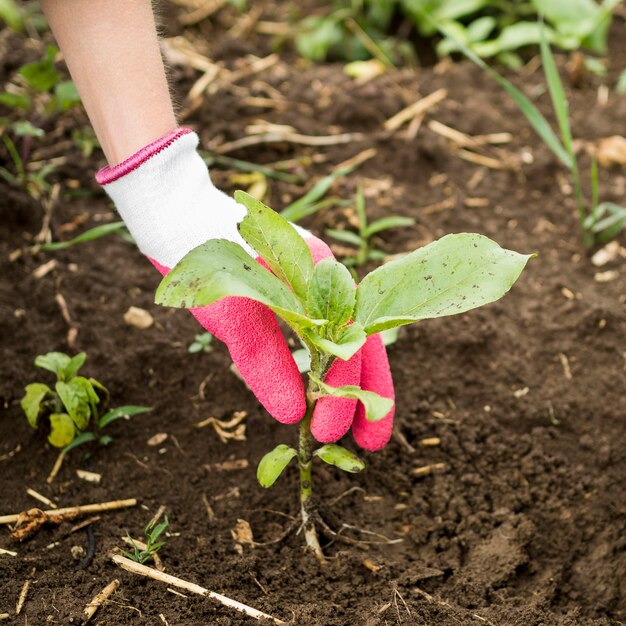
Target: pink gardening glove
(166,198)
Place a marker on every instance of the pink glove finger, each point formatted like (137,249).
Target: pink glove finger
(375,376)
(333,417)
(259,350)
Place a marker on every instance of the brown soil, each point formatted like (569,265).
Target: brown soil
(526,525)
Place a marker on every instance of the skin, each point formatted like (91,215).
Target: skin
(112,51)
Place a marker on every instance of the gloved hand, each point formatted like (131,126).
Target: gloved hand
(165,196)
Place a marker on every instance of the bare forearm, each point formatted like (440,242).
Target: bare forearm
(112,51)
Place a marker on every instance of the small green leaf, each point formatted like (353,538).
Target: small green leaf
(340,457)
(54,362)
(15,101)
(273,463)
(77,400)
(121,411)
(66,95)
(42,75)
(75,363)
(385,223)
(452,275)
(62,430)
(376,407)
(105,440)
(620,87)
(332,292)
(219,268)
(277,242)
(24,128)
(88,235)
(345,236)
(31,402)
(349,343)
(80,440)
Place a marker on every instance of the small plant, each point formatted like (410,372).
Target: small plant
(147,551)
(599,221)
(38,94)
(201,343)
(75,411)
(331,316)
(363,238)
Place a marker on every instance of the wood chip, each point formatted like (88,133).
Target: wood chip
(99,599)
(242,533)
(22,597)
(371,566)
(139,318)
(45,269)
(7,552)
(611,151)
(430,442)
(427,470)
(90,477)
(417,108)
(229,466)
(565,364)
(41,498)
(606,277)
(157,440)
(611,252)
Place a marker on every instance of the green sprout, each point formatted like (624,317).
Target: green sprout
(38,94)
(363,238)
(201,343)
(599,221)
(331,316)
(144,552)
(75,411)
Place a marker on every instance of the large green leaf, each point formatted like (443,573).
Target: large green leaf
(36,393)
(346,346)
(273,463)
(64,366)
(220,268)
(376,407)
(62,430)
(277,242)
(77,396)
(332,292)
(340,457)
(449,276)
(42,75)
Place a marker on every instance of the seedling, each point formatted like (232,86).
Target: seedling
(449,276)
(147,551)
(38,94)
(201,343)
(599,221)
(75,411)
(363,238)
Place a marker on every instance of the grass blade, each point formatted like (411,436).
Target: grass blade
(88,235)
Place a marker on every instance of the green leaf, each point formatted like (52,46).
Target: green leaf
(273,463)
(331,292)
(36,393)
(277,242)
(340,457)
(79,441)
(620,87)
(66,95)
(449,276)
(77,400)
(75,363)
(318,36)
(102,394)
(346,236)
(385,223)
(557,93)
(219,268)
(300,208)
(529,110)
(24,128)
(54,362)
(62,430)
(349,343)
(88,235)
(42,75)
(122,411)
(376,407)
(15,101)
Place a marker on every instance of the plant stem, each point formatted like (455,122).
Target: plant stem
(308,509)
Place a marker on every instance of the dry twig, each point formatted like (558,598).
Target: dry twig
(415,109)
(99,599)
